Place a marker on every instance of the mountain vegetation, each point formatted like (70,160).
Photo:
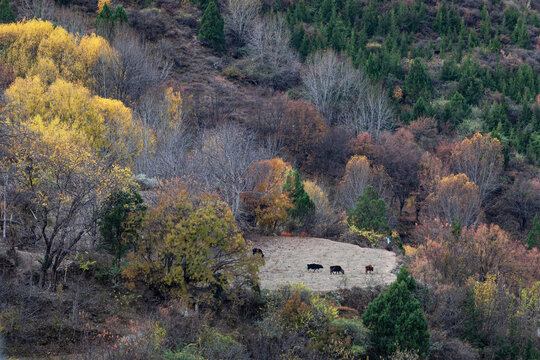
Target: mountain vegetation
(145,144)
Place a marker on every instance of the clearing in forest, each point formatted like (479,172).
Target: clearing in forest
(286,260)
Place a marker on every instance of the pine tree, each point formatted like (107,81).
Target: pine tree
(449,70)
(369,212)
(6,12)
(520,36)
(119,222)
(473,40)
(105,22)
(370,19)
(396,319)
(417,82)
(533,239)
(485,27)
(470,85)
(294,188)
(211,30)
(439,25)
(420,108)
(326,10)
(456,110)
(349,13)
(119,16)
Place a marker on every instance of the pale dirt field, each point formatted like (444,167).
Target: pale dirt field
(286,260)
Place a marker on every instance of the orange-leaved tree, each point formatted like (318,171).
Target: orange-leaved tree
(455,198)
(266,199)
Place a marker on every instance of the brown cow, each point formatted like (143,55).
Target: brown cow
(369,268)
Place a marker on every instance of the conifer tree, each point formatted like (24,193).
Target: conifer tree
(119,16)
(420,108)
(396,319)
(211,30)
(6,12)
(520,36)
(119,222)
(473,40)
(105,22)
(533,239)
(417,82)
(325,11)
(369,212)
(485,26)
(294,188)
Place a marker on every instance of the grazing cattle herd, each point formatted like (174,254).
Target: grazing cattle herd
(334,269)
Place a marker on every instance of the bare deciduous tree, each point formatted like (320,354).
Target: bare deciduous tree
(130,69)
(166,140)
(332,84)
(223,162)
(372,113)
(358,174)
(241,18)
(271,56)
(400,156)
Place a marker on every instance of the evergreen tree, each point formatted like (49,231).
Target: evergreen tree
(119,222)
(449,70)
(473,40)
(470,85)
(326,10)
(396,319)
(456,110)
(495,44)
(417,82)
(294,188)
(485,26)
(6,12)
(370,19)
(510,18)
(211,30)
(349,12)
(305,47)
(420,108)
(369,212)
(533,239)
(520,36)
(119,16)
(105,22)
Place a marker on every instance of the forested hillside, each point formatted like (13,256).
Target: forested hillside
(146,146)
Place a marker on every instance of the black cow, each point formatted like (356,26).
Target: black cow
(314,267)
(336,269)
(258,251)
(369,268)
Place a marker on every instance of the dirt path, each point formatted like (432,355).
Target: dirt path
(286,260)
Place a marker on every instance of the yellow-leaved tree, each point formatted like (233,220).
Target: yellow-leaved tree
(107,124)
(189,246)
(62,181)
(38,47)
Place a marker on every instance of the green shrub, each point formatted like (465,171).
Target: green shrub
(370,212)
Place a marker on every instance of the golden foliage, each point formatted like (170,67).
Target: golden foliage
(455,198)
(101,3)
(266,199)
(107,124)
(33,47)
